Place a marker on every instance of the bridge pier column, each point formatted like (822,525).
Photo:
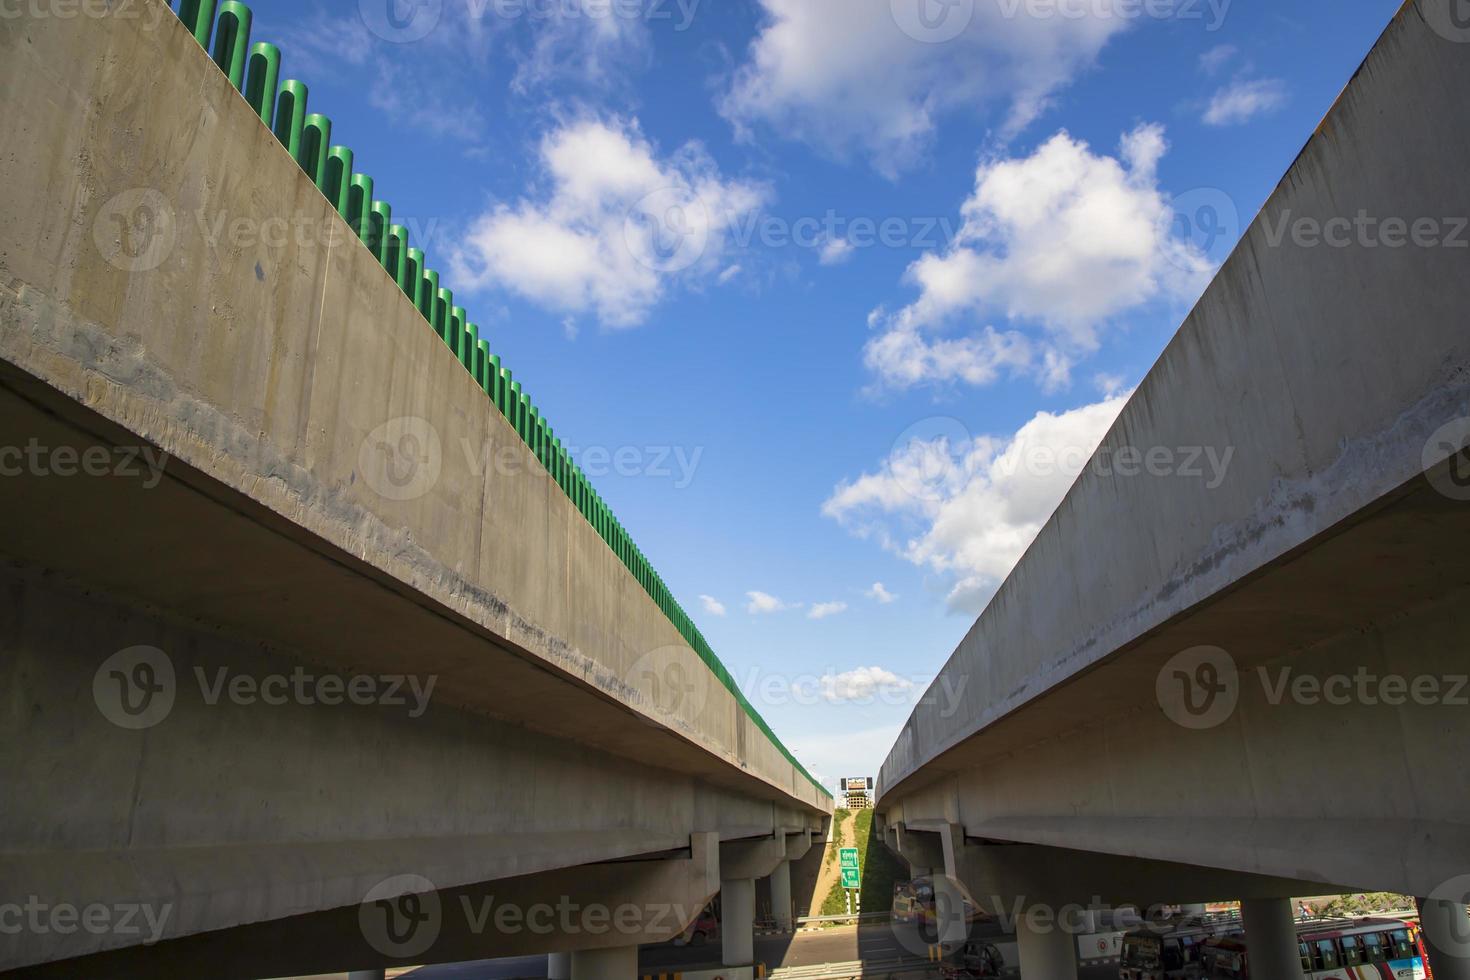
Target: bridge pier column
(559,966)
(620,963)
(737,921)
(781,896)
(1446,938)
(1270,938)
(1049,954)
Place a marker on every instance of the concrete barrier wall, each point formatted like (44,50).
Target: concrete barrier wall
(1326,370)
(274,367)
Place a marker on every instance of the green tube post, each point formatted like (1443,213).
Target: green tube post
(413,274)
(291,116)
(337,179)
(492,377)
(316,137)
(443,303)
(534,428)
(513,406)
(471,344)
(198,17)
(523,418)
(482,360)
(428,294)
(262,75)
(395,242)
(232,41)
(453,325)
(360,213)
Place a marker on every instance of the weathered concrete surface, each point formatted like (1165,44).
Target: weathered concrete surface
(1325,549)
(265,371)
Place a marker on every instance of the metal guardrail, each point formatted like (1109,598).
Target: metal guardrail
(254,70)
(853,917)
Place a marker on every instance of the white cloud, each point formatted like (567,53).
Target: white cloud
(824,610)
(1061,240)
(712,605)
(581,40)
(880,594)
(849,75)
(863,684)
(764,604)
(835,252)
(968,509)
(1217,58)
(1244,99)
(616,227)
(729,274)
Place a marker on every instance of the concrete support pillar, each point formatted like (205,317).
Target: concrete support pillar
(1046,955)
(1270,938)
(558,966)
(1446,938)
(737,921)
(781,896)
(605,964)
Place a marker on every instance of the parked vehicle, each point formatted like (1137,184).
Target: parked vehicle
(1333,949)
(973,961)
(704,929)
(1170,950)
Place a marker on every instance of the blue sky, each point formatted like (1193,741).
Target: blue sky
(838,435)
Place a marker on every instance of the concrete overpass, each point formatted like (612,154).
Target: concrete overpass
(1186,693)
(312,660)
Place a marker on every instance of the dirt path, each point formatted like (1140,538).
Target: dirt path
(831,872)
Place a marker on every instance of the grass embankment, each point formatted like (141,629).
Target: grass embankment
(880,868)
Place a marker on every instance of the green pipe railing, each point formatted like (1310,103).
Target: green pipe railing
(316,138)
(291,116)
(262,74)
(231,41)
(254,70)
(337,182)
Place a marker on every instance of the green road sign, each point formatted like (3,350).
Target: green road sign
(848,858)
(852,878)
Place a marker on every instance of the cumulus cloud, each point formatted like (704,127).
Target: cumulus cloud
(863,684)
(880,594)
(1244,99)
(835,252)
(712,605)
(764,604)
(616,226)
(967,508)
(858,76)
(824,610)
(1058,243)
